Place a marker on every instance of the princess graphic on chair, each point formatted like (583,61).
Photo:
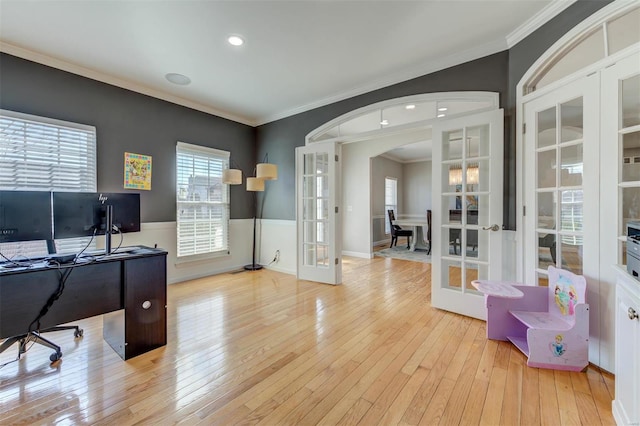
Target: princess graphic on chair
(558,348)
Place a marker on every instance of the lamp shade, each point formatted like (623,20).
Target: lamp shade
(267,171)
(232,176)
(255,184)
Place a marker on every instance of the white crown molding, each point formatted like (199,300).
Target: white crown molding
(392,157)
(554,8)
(536,21)
(427,67)
(114,81)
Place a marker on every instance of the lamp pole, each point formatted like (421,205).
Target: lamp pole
(254,266)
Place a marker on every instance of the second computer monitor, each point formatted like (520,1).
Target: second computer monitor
(78,214)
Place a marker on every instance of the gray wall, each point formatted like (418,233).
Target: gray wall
(497,73)
(127,121)
(417,188)
(280,138)
(131,122)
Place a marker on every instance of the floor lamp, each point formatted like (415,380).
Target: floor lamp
(263,171)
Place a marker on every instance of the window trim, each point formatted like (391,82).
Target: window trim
(211,153)
(67,245)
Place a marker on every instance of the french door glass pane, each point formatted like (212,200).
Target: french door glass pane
(546,250)
(631,101)
(547,169)
(571,165)
(455,242)
(630,205)
(571,127)
(309,164)
(630,161)
(473,248)
(471,273)
(453,274)
(323,255)
(547,127)
(546,210)
(571,252)
(452,145)
(477,138)
(571,214)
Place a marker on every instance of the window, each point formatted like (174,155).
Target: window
(43,154)
(202,201)
(390,200)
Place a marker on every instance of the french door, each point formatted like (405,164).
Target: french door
(317,216)
(561,165)
(467,205)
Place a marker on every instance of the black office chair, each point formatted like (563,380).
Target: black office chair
(36,337)
(397,231)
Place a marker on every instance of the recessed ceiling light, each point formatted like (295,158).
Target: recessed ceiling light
(235,40)
(441,115)
(442,109)
(179,79)
(410,106)
(384,122)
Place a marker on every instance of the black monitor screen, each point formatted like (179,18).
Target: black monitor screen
(25,216)
(78,214)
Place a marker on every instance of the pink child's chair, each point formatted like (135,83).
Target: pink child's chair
(549,325)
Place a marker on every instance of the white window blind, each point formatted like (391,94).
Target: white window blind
(390,200)
(43,154)
(202,201)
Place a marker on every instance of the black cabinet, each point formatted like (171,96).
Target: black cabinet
(142,325)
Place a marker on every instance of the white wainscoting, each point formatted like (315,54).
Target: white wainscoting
(277,235)
(274,234)
(271,235)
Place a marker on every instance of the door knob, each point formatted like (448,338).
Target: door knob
(495,227)
(632,314)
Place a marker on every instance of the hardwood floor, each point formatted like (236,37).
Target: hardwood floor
(264,348)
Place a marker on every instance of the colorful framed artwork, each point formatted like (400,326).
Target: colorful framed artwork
(137,171)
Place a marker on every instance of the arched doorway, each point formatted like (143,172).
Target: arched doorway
(458,146)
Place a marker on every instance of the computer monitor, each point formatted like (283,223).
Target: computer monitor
(79,214)
(25,216)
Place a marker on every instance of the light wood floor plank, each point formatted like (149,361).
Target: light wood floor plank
(265,348)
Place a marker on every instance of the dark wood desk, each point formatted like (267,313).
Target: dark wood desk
(117,286)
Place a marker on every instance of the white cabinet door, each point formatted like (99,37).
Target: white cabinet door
(626,406)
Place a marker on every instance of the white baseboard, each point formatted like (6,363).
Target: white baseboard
(358,254)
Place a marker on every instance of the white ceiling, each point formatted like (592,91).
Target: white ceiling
(298,54)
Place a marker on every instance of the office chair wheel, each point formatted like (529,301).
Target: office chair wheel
(78,333)
(55,356)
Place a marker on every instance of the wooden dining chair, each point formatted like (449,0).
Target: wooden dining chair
(397,231)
